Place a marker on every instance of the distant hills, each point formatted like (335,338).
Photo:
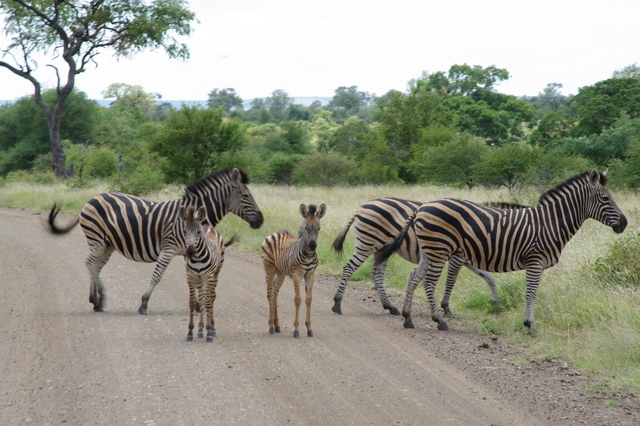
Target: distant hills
(306,101)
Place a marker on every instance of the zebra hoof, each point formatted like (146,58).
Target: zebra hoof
(200,335)
(310,333)
(296,334)
(443,326)
(278,330)
(142,311)
(336,308)
(98,309)
(189,338)
(272,331)
(209,339)
(393,310)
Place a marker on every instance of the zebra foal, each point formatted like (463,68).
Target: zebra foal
(500,240)
(203,259)
(376,223)
(285,255)
(148,231)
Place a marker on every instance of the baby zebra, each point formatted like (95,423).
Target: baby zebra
(204,257)
(285,255)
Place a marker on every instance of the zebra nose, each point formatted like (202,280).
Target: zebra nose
(620,226)
(313,244)
(190,252)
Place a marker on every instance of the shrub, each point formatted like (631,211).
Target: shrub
(621,265)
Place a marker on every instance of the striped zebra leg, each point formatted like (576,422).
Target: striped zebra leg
(533,275)
(348,270)
(413,280)
(297,300)
(434,270)
(162,263)
(274,282)
(210,298)
(308,284)
(192,306)
(378,280)
(98,257)
(455,263)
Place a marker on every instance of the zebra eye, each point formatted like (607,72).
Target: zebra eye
(606,199)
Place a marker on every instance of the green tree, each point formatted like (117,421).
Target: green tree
(552,128)
(134,97)
(601,105)
(630,71)
(450,159)
(349,99)
(278,104)
(23,129)
(550,99)
(193,139)
(323,170)
(508,165)
(73,33)
(225,99)
(464,79)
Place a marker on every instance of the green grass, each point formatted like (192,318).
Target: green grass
(592,324)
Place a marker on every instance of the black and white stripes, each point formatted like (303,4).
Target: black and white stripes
(500,240)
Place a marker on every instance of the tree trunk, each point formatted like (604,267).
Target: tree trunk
(58,158)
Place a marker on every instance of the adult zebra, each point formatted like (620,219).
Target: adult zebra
(376,223)
(499,240)
(149,231)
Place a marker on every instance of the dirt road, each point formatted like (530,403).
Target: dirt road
(62,363)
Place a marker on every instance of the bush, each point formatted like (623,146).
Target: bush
(45,178)
(323,170)
(621,266)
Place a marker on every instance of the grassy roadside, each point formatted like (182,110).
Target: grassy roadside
(592,324)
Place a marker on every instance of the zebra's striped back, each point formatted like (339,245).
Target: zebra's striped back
(501,240)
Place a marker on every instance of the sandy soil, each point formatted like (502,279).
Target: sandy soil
(62,363)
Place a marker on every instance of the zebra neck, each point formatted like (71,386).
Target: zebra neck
(217,208)
(565,216)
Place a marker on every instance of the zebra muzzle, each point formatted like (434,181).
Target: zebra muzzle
(190,252)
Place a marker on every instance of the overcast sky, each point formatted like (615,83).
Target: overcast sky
(310,48)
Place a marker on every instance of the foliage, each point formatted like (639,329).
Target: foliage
(281,167)
(551,128)
(192,140)
(507,165)
(449,161)
(23,129)
(133,97)
(349,99)
(90,161)
(601,105)
(323,169)
(621,264)
(74,32)
(225,99)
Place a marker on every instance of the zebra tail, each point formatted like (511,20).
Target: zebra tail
(232,240)
(388,250)
(339,241)
(52,226)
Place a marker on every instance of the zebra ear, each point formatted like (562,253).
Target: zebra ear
(183,213)
(201,214)
(235,175)
(321,211)
(594,177)
(304,211)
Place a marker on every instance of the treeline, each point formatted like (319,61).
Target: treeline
(449,128)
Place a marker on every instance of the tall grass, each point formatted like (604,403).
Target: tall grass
(593,324)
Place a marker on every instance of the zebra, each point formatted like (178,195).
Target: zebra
(376,223)
(203,259)
(147,231)
(285,255)
(500,240)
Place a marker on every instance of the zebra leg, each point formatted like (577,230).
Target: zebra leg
(162,263)
(352,266)
(270,275)
(433,275)
(533,274)
(279,279)
(309,279)
(455,263)
(414,278)
(296,300)
(210,300)
(98,257)
(200,307)
(491,281)
(378,280)
(192,307)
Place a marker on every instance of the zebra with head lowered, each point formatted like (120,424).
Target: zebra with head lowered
(149,231)
(500,240)
(376,223)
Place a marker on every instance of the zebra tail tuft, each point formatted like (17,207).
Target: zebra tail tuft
(232,240)
(388,250)
(339,241)
(52,226)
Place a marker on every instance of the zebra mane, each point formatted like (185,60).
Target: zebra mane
(559,190)
(312,209)
(214,179)
(505,206)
